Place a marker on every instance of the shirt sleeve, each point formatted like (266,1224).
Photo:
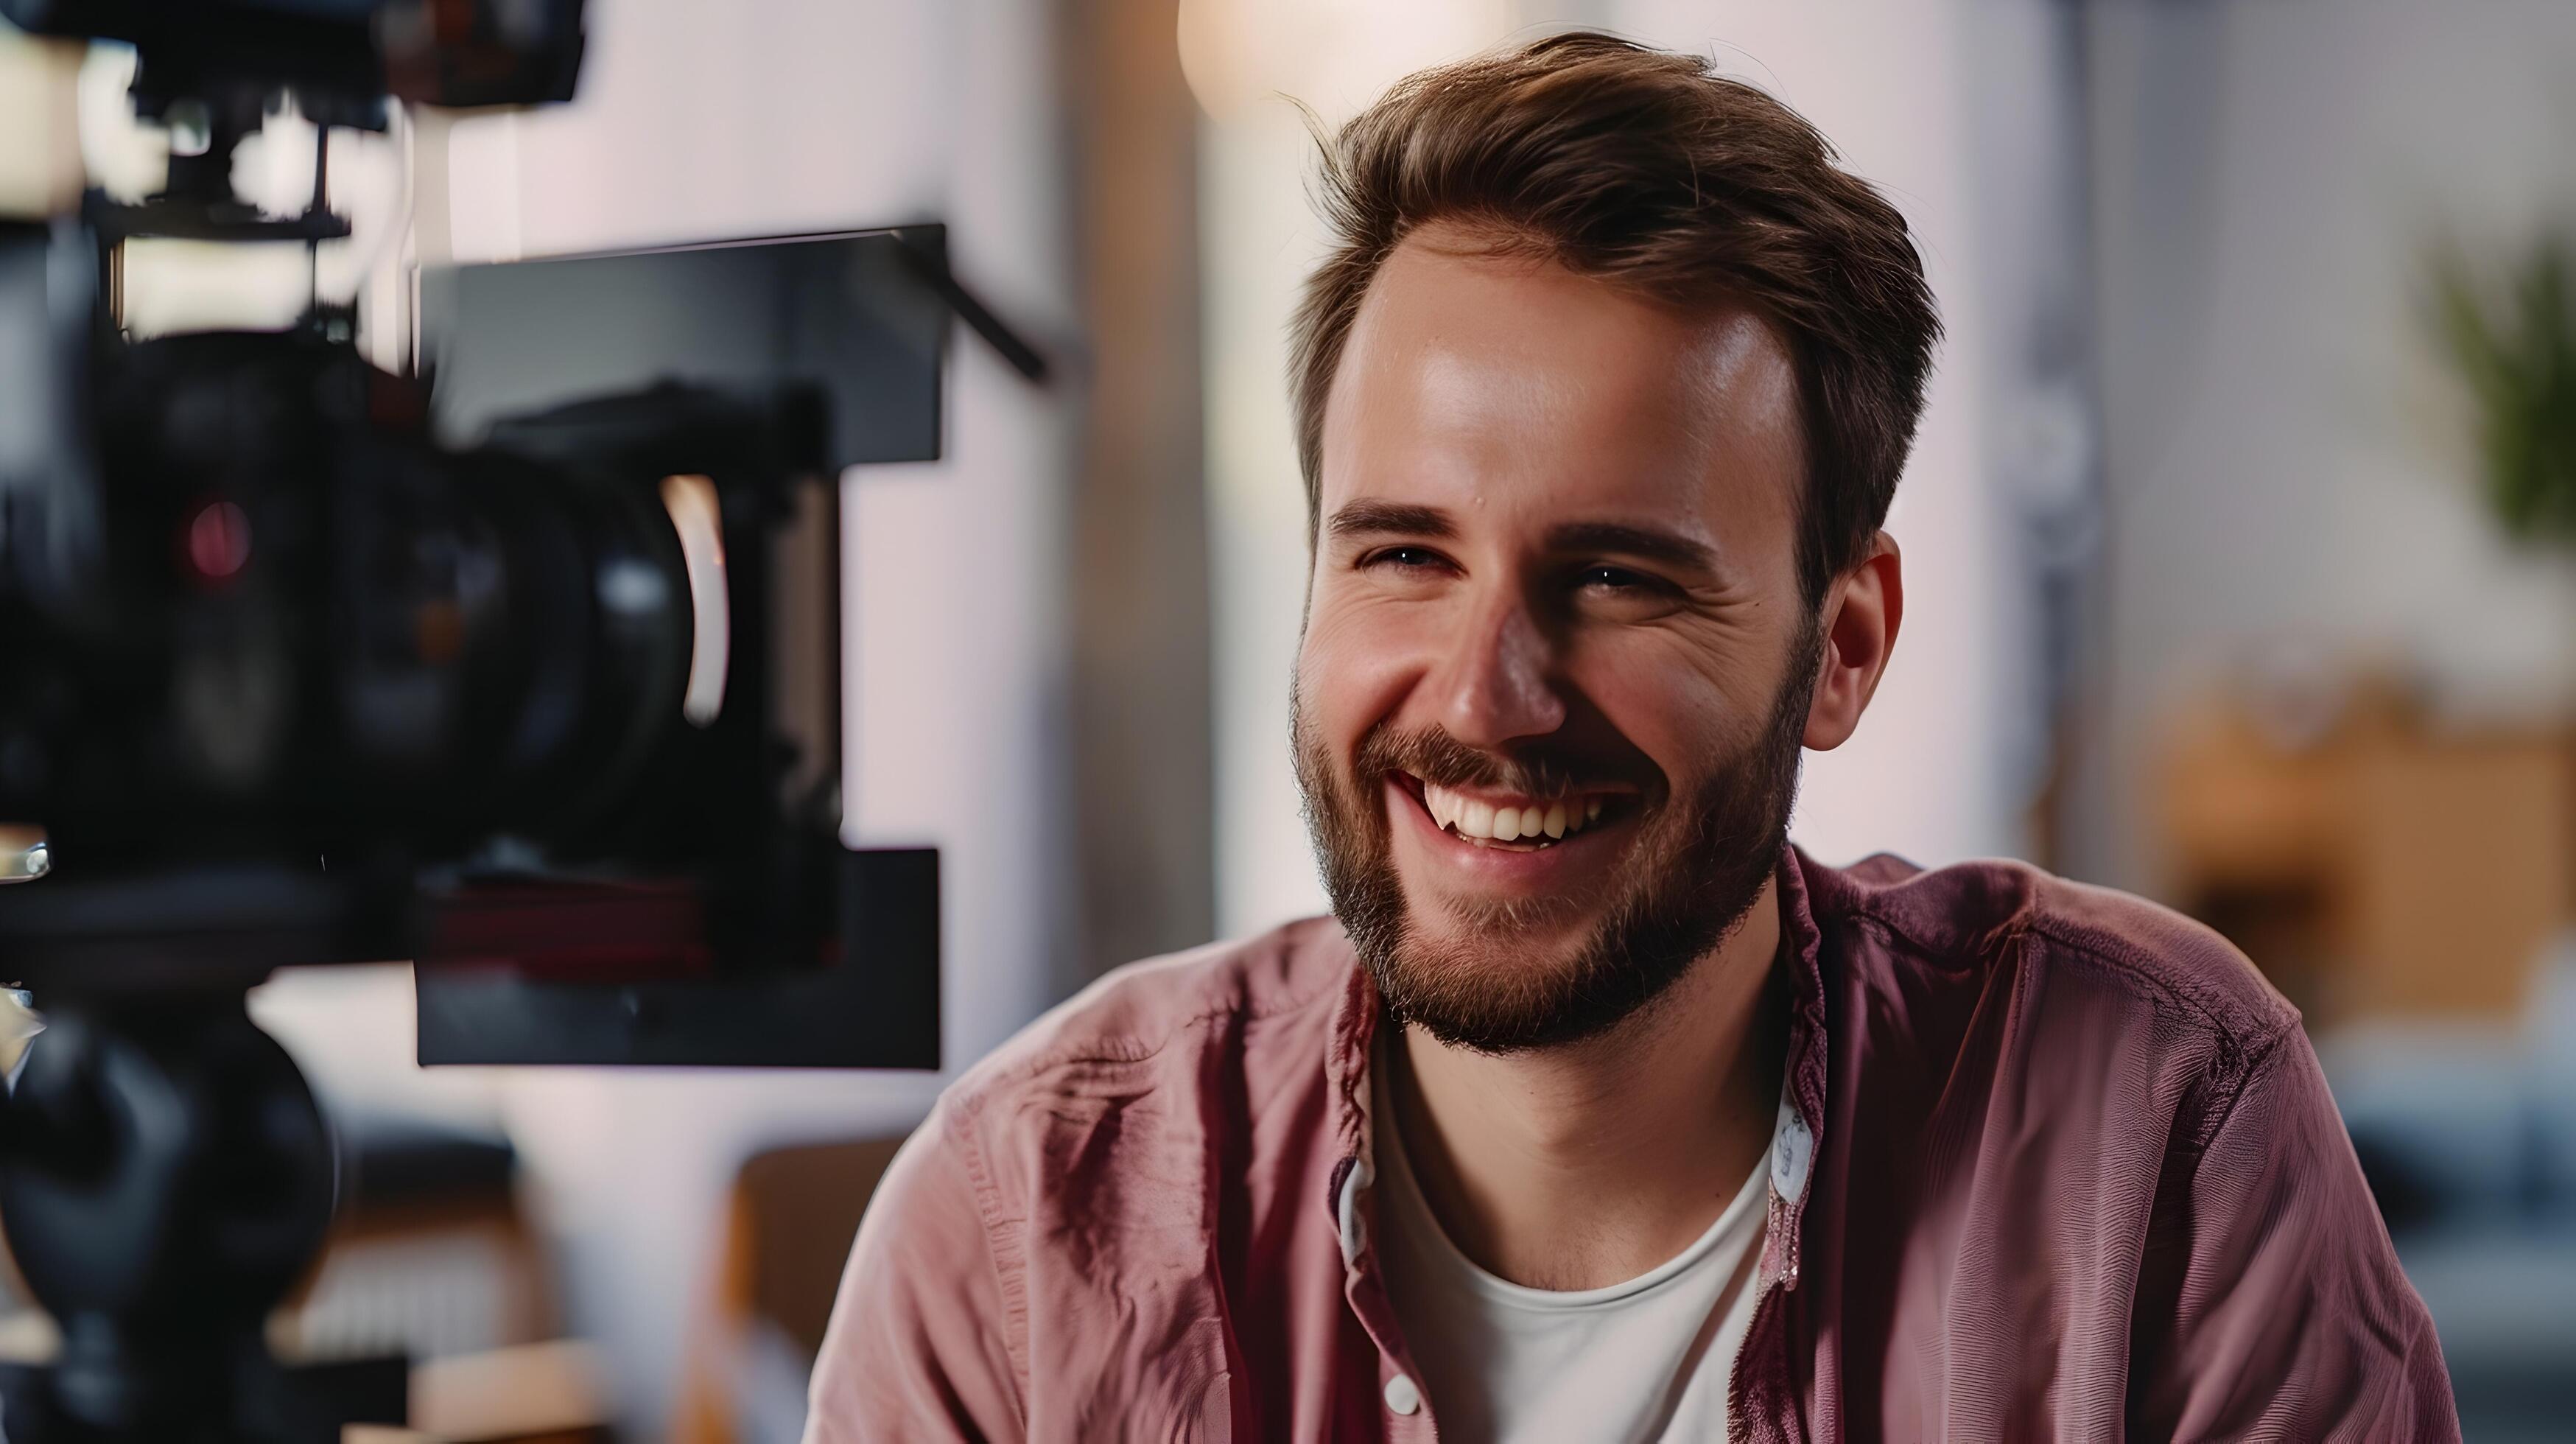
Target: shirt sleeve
(2291,1318)
(916,1347)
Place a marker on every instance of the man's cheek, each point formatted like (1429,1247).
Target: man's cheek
(1356,692)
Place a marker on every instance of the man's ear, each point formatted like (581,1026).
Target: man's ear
(1862,612)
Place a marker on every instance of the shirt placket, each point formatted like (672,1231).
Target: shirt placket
(1765,1399)
(1407,1413)
(1404,1413)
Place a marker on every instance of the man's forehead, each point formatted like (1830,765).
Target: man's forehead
(1457,310)
(1490,385)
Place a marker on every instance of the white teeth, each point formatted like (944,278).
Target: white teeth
(1476,819)
(1480,822)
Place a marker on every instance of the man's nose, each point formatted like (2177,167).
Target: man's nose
(1495,686)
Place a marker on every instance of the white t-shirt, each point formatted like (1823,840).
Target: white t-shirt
(1650,1359)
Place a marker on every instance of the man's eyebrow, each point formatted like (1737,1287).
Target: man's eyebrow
(1374,518)
(1649,543)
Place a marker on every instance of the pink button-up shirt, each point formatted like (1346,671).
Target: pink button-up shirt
(2058,1164)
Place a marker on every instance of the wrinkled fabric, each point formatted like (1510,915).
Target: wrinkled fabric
(2057,1164)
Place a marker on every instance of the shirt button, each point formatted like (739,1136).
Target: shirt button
(1402,1396)
(1793,1151)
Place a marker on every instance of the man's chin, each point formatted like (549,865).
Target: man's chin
(1490,991)
(1526,919)
(1508,973)
(1530,926)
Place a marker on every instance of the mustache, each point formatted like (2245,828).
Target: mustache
(1442,760)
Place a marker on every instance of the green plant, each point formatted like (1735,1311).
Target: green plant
(2514,344)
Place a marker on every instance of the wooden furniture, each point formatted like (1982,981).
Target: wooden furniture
(2388,868)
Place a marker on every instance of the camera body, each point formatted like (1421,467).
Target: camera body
(321,677)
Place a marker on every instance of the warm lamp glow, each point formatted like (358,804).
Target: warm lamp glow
(1334,56)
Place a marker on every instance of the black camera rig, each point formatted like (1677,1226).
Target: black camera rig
(522,665)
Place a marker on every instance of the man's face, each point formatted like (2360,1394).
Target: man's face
(1557,661)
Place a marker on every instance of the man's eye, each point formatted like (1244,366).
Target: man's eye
(1407,558)
(1618,579)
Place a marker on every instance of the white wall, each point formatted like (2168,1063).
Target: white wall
(763,117)
(2288,464)
(1935,768)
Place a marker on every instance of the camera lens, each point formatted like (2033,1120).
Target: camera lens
(324,633)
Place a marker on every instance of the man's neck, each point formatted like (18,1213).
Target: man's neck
(1587,1165)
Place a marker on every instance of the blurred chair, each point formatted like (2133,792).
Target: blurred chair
(787,1232)
(429,1255)
(431,1258)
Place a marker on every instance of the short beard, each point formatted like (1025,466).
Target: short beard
(1695,869)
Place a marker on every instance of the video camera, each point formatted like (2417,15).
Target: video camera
(521,661)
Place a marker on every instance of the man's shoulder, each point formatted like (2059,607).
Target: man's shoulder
(1160,1010)
(2002,914)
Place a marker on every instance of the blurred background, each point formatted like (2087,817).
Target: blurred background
(2240,540)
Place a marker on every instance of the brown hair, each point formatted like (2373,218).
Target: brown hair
(1648,170)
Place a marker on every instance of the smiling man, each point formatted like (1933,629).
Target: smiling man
(1597,1111)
